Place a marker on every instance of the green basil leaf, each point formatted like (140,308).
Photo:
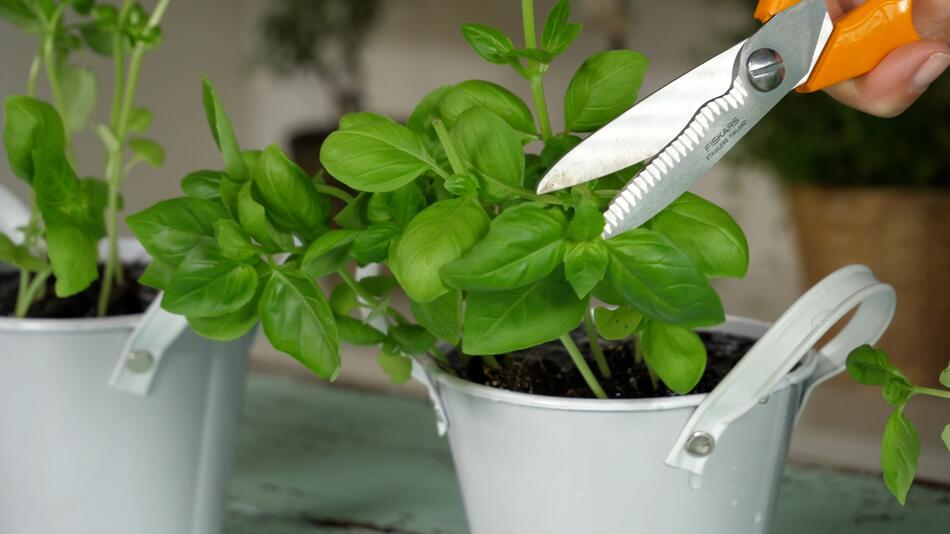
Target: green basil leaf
(353,216)
(149,151)
(140,120)
(660,280)
(99,37)
(707,234)
(233,325)
(327,264)
(209,284)
(493,97)
(442,316)
(376,156)
(900,452)
(19,255)
(399,206)
(378,286)
(397,367)
(587,223)
(441,233)
(20,14)
(534,54)
(492,149)
(80,90)
(523,245)
(171,229)
(897,391)
(533,171)
(73,216)
(289,195)
(870,366)
(607,293)
(203,184)
(558,33)
(462,184)
(618,324)
(158,274)
(327,242)
(254,219)
(585,265)
(493,45)
(412,339)
(297,319)
(343,300)
(223,134)
(945,377)
(30,125)
(357,332)
(556,147)
(372,244)
(605,86)
(426,111)
(361,117)
(234,241)
(506,321)
(676,354)
(945,436)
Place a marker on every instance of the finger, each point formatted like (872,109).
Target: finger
(837,8)
(900,78)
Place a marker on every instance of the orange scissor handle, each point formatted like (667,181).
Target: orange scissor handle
(859,41)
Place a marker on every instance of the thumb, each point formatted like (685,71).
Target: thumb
(897,82)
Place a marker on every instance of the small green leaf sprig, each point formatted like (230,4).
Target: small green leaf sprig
(447,203)
(71,215)
(900,446)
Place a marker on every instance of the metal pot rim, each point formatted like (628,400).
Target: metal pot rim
(732,324)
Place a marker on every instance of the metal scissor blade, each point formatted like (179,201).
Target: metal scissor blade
(645,129)
(797,35)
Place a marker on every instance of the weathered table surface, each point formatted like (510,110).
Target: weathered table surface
(314,458)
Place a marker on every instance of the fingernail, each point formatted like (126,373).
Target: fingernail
(930,71)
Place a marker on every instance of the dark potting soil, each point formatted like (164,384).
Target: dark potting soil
(548,370)
(127,299)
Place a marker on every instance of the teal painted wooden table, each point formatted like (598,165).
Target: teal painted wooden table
(319,459)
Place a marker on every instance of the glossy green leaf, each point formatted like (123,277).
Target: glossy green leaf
(945,377)
(233,325)
(171,229)
(492,149)
(490,43)
(158,274)
(149,151)
(203,184)
(558,32)
(426,111)
(140,120)
(493,97)
(556,147)
(327,242)
(372,244)
(357,332)
(208,284)
(412,339)
(870,366)
(707,234)
(378,286)
(605,86)
(900,452)
(462,184)
(617,324)
(441,233)
(253,217)
(343,300)
(505,321)
(397,367)
(375,156)
(523,245)
(79,89)
(234,241)
(223,133)
(297,319)
(357,118)
(585,265)
(660,280)
(676,354)
(945,436)
(897,391)
(587,223)
(30,125)
(99,37)
(442,316)
(19,256)
(289,195)
(353,216)
(399,206)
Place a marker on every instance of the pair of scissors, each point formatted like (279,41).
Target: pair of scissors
(685,128)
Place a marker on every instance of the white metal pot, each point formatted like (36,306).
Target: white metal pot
(122,425)
(530,464)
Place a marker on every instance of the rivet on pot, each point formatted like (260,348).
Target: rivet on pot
(700,444)
(139,361)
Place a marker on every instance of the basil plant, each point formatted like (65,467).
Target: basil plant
(447,203)
(70,215)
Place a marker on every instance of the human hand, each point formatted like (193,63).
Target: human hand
(905,73)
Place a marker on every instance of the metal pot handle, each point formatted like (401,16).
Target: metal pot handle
(777,352)
(13,214)
(142,352)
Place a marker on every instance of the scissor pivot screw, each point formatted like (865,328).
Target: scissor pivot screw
(766,69)
(700,445)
